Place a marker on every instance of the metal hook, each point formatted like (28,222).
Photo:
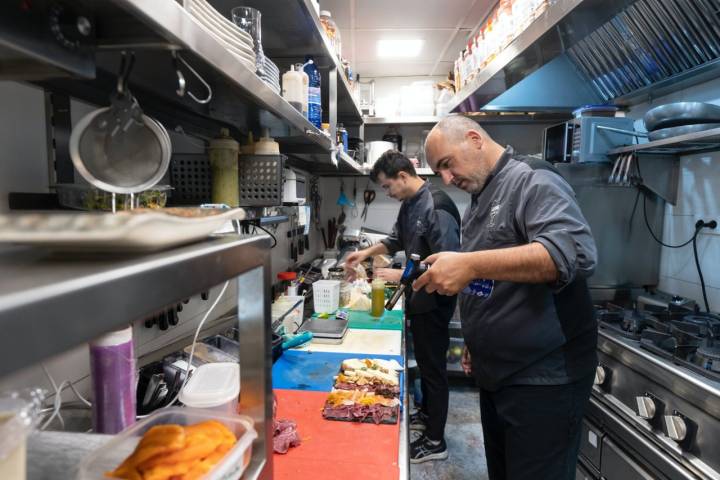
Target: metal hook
(124,72)
(181,81)
(181,78)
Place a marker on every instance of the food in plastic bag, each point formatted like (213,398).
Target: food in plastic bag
(359,299)
(18,415)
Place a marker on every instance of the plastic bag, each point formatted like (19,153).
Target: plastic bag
(382,261)
(19,414)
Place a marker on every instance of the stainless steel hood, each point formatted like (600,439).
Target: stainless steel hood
(600,51)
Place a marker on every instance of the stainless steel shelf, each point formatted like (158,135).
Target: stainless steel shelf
(556,29)
(707,141)
(429,120)
(50,302)
(291,30)
(171,22)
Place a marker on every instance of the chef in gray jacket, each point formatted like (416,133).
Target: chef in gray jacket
(428,222)
(527,318)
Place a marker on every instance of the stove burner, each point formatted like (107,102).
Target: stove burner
(691,340)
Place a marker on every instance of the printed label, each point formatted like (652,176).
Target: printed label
(480,288)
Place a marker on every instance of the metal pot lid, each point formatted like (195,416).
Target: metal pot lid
(124,161)
(681,113)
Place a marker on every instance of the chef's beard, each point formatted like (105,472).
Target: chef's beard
(472,183)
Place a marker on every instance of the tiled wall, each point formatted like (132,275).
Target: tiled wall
(698,198)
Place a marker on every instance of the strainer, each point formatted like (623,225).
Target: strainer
(119,149)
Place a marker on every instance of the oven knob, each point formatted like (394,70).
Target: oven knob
(600,375)
(646,407)
(676,427)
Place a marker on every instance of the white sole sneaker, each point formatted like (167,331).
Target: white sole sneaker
(432,456)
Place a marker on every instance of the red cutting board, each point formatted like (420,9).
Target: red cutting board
(334,449)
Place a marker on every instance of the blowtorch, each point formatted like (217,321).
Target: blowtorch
(413,269)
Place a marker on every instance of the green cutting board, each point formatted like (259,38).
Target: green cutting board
(391,320)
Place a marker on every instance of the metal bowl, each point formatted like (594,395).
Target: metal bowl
(664,133)
(681,113)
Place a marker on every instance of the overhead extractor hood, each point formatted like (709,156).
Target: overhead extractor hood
(600,51)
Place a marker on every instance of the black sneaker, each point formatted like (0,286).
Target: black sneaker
(423,450)
(418,421)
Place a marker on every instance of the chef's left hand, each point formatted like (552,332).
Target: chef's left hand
(449,274)
(388,274)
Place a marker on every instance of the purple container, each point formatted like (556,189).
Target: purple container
(112,369)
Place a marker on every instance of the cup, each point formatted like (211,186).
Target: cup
(248,20)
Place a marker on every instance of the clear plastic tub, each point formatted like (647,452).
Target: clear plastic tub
(112,454)
(215,386)
(86,197)
(205,353)
(18,414)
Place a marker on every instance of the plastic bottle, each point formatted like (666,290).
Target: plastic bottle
(314,96)
(305,85)
(112,371)
(377,296)
(223,153)
(292,88)
(332,31)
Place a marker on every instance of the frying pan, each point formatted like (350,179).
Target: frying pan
(681,113)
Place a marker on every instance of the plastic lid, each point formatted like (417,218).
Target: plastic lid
(212,385)
(287,276)
(325,13)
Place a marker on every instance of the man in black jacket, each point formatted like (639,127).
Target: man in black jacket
(527,317)
(428,222)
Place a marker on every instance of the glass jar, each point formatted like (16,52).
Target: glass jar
(337,273)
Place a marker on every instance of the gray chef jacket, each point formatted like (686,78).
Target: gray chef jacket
(427,223)
(524,333)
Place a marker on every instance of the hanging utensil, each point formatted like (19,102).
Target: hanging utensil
(354,208)
(368,198)
(117,148)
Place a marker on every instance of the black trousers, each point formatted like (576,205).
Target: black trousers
(533,431)
(431,342)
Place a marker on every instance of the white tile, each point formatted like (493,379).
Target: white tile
(699,186)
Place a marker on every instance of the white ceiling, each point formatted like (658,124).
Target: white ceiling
(444,25)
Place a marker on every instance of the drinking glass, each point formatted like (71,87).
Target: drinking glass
(248,20)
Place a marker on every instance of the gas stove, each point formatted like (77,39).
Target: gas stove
(687,338)
(655,408)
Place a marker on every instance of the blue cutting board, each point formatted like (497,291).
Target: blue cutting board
(314,371)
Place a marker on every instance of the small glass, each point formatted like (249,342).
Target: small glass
(248,19)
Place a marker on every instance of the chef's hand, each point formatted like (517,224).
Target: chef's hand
(388,274)
(465,361)
(352,261)
(448,275)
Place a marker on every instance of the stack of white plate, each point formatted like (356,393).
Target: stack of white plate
(237,41)
(271,75)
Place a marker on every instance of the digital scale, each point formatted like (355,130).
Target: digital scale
(324,330)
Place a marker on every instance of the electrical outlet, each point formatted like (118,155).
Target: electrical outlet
(709,226)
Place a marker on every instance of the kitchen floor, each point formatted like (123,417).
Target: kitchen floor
(463,434)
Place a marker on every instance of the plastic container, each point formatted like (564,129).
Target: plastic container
(326,296)
(314,93)
(332,31)
(205,353)
(111,454)
(114,380)
(377,297)
(17,418)
(286,304)
(223,153)
(292,88)
(214,386)
(86,197)
(305,87)
(231,347)
(267,146)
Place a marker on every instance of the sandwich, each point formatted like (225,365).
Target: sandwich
(367,375)
(360,406)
